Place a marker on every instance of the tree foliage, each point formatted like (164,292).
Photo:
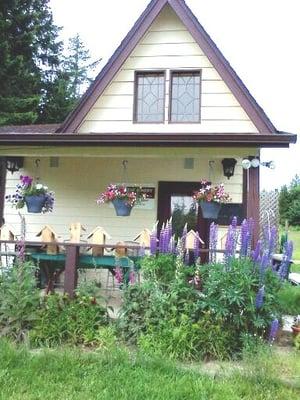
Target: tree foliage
(289,202)
(40,82)
(29,48)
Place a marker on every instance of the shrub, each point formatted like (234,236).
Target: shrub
(159,269)
(72,321)
(19,301)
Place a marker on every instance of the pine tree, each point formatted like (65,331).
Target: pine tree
(29,49)
(71,79)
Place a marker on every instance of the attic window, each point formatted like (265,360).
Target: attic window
(149,97)
(185,96)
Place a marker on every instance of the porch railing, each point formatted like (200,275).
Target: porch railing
(72,254)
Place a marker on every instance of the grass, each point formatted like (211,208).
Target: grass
(294,235)
(73,374)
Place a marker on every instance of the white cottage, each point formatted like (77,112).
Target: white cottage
(168,103)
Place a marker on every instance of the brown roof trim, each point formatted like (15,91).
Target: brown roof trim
(150,139)
(254,111)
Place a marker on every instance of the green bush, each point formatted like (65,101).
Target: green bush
(168,316)
(289,299)
(71,321)
(19,301)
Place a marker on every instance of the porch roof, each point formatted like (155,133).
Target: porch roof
(45,135)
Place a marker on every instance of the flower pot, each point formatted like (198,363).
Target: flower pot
(123,209)
(210,209)
(35,203)
(296,330)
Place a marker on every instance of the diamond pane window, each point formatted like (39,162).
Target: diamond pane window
(185,96)
(150,97)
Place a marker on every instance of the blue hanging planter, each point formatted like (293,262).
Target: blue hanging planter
(210,209)
(123,209)
(35,203)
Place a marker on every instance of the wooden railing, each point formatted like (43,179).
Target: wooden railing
(72,252)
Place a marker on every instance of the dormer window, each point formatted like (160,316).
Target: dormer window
(185,94)
(149,97)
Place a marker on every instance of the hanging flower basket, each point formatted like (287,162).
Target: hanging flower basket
(122,207)
(210,209)
(36,197)
(35,203)
(210,199)
(122,197)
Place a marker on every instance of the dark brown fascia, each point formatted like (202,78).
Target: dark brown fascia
(150,139)
(254,111)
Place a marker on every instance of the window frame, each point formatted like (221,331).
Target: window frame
(138,73)
(197,72)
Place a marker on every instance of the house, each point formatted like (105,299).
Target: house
(170,105)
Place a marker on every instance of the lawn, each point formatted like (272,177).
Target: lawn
(77,374)
(294,235)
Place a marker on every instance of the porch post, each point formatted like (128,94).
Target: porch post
(251,198)
(2,187)
(70,282)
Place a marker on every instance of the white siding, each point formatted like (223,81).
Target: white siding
(167,46)
(77,181)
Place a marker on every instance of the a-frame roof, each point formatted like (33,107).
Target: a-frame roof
(235,84)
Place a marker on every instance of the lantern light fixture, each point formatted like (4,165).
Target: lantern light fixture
(229,166)
(14,164)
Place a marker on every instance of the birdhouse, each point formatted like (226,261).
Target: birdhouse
(120,250)
(76,232)
(143,238)
(190,239)
(98,236)
(48,235)
(7,233)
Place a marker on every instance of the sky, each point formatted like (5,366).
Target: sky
(260,39)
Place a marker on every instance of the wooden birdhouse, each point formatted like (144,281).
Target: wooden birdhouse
(76,232)
(48,235)
(98,236)
(143,238)
(190,239)
(7,233)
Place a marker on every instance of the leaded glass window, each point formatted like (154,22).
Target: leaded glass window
(185,96)
(149,97)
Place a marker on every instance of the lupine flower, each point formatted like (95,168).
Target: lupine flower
(271,245)
(273,330)
(183,237)
(172,245)
(153,240)
(260,297)
(264,263)
(118,275)
(213,242)
(255,255)
(246,236)
(231,241)
(286,260)
(132,277)
(196,246)
(187,257)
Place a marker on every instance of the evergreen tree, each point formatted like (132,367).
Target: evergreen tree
(71,78)
(29,49)
(289,202)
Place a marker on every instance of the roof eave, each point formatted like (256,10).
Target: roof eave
(149,139)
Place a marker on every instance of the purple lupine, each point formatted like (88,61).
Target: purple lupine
(231,239)
(187,257)
(273,330)
(132,277)
(183,237)
(259,301)
(168,236)
(172,245)
(264,263)
(246,236)
(284,267)
(213,242)
(118,275)
(255,255)
(161,239)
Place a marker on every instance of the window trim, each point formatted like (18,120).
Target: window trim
(135,99)
(184,71)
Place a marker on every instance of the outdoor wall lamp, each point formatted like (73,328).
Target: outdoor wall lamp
(254,162)
(13,164)
(229,166)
